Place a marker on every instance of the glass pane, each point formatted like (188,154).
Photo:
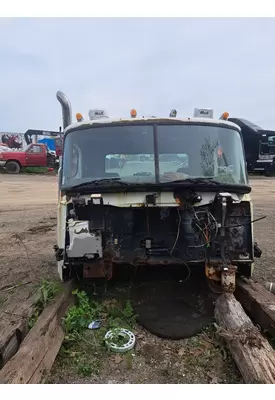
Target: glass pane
(205,151)
(125,152)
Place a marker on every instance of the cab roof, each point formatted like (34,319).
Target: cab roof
(136,121)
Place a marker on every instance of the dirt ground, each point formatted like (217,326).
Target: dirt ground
(27,235)
(27,232)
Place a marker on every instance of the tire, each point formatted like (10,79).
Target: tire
(13,167)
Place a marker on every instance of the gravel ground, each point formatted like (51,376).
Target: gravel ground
(27,236)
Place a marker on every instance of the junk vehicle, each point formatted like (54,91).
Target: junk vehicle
(18,141)
(259,146)
(51,139)
(34,155)
(196,213)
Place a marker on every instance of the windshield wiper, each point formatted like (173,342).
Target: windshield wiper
(98,182)
(202,180)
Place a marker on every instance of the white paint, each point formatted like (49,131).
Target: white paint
(205,121)
(163,199)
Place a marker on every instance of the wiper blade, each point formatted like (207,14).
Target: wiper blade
(202,180)
(98,182)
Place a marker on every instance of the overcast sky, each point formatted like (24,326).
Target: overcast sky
(152,65)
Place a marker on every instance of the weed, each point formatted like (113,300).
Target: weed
(84,367)
(47,291)
(33,318)
(119,316)
(129,360)
(85,311)
(80,315)
(86,348)
(117,338)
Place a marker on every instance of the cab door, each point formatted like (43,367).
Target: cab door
(36,156)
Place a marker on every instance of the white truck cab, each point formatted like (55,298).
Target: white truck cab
(186,202)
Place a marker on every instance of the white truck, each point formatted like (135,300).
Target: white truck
(195,213)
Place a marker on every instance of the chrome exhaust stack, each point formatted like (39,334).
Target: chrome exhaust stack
(66,108)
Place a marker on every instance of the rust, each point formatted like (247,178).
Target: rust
(224,276)
(228,278)
(102,268)
(147,261)
(94,270)
(108,263)
(213,273)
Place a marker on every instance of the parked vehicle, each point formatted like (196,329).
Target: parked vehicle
(34,155)
(259,146)
(51,139)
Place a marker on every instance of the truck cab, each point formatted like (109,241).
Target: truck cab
(186,203)
(34,155)
(259,145)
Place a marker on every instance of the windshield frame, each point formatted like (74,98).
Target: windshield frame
(244,187)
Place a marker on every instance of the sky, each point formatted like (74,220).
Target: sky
(150,64)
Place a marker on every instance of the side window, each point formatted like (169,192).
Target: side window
(35,150)
(271,140)
(74,163)
(267,145)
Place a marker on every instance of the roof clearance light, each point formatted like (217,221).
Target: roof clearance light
(173,113)
(97,114)
(224,116)
(79,117)
(203,113)
(133,113)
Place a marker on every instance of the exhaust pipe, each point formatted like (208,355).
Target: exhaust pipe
(66,108)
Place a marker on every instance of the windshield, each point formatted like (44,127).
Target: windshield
(127,152)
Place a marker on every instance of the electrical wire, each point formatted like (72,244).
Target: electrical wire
(245,223)
(207,227)
(174,246)
(178,234)
(186,265)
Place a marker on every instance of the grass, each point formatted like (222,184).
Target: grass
(36,170)
(83,350)
(47,291)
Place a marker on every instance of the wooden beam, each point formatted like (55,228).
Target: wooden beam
(252,353)
(258,302)
(34,359)
(14,323)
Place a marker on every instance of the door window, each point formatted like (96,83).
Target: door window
(35,150)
